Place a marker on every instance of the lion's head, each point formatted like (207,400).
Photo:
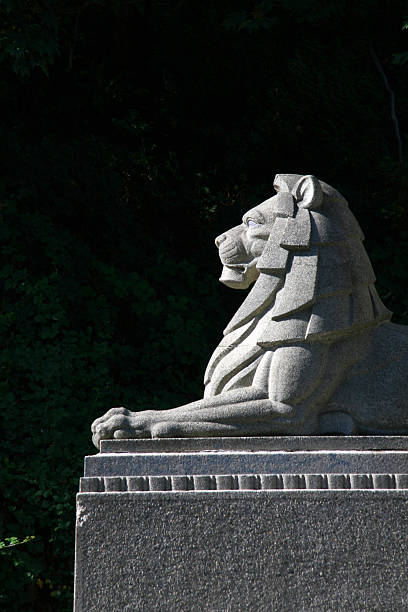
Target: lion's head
(303,249)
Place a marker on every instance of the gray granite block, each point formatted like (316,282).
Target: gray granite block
(239,462)
(285,524)
(235,551)
(265,443)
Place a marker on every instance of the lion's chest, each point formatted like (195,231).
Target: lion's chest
(234,362)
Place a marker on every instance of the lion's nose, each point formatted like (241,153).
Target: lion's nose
(220,239)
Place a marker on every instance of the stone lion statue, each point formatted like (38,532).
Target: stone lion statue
(311,350)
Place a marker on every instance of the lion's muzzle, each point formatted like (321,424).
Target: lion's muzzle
(231,248)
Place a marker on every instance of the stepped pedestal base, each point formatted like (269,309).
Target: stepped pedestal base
(244,524)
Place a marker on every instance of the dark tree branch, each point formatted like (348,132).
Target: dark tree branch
(392,102)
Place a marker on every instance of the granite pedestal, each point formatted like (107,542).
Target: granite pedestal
(236,524)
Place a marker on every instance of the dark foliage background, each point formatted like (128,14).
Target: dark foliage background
(132,132)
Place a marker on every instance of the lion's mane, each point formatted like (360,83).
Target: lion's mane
(316,284)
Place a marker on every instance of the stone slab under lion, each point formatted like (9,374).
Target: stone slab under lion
(312,349)
(243,524)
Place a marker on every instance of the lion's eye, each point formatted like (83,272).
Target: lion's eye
(252,223)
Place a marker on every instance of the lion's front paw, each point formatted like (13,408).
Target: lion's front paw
(120,423)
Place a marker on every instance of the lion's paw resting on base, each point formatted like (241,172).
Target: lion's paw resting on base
(311,350)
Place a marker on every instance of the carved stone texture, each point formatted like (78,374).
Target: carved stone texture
(311,350)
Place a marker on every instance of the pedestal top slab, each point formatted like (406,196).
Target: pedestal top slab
(285,462)
(275,443)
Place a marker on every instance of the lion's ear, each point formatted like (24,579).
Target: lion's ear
(308,192)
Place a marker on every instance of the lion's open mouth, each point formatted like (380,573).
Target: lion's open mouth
(233,276)
(239,276)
